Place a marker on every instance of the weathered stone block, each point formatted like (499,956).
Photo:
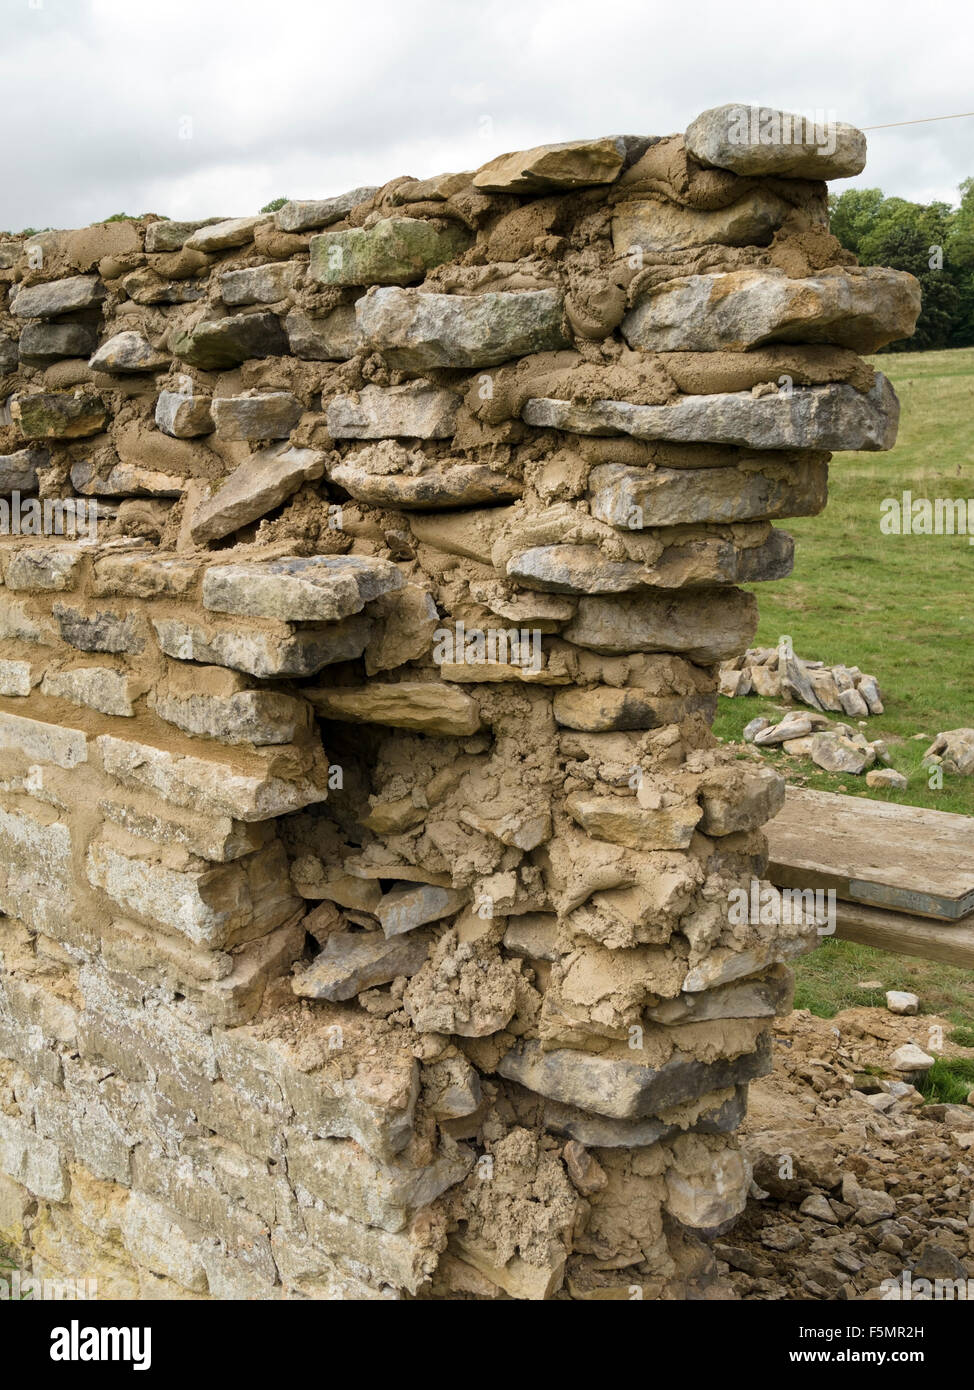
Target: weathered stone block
(809,417)
(306,215)
(636,498)
(423,706)
(183,416)
(416,410)
(863,308)
(274,649)
(318,588)
(100,688)
(416,331)
(571,164)
(762,140)
(393,252)
(59,415)
(215,344)
(260,484)
(262,284)
(332,337)
(706,625)
(254,787)
(58,297)
(48,342)
(272,415)
(624,1089)
(126,353)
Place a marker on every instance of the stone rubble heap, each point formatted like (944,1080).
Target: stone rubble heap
(776,673)
(833,747)
(365,852)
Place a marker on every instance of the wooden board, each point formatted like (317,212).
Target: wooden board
(905,934)
(901,858)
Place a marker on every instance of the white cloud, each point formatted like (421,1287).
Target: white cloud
(303,98)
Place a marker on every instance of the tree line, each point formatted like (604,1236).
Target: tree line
(933,241)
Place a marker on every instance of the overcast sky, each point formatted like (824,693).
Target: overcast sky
(192,108)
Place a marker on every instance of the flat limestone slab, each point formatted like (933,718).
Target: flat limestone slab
(900,858)
(809,417)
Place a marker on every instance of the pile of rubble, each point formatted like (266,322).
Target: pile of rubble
(775,672)
(861,1190)
(832,747)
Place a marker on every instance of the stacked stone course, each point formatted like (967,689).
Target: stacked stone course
(365,852)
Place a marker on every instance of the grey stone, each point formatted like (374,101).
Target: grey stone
(656,227)
(18,472)
(100,630)
(260,484)
(604,708)
(910,1058)
(219,343)
(426,707)
(209,784)
(222,236)
(59,415)
(183,416)
(762,140)
(124,480)
(600,1132)
(416,410)
(16,678)
(171,236)
(261,284)
(637,498)
(317,588)
(272,415)
(706,626)
(860,307)
(407,906)
(837,754)
(333,337)
(394,251)
(834,417)
(284,650)
(239,715)
(571,164)
(9,355)
(48,342)
(58,297)
(887,777)
(623,1089)
(128,352)
(461,485)
(39,568)
(355,961)
(415,331)
(100,688)
(305,216)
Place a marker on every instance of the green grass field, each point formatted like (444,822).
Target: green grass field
(900,608)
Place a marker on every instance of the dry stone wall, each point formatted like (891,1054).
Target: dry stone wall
(365,852)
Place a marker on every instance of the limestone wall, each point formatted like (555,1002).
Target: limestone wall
(365,852)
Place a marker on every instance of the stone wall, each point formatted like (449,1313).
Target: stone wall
(365,852)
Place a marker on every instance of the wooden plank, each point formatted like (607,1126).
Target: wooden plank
(905,934)
(875,852)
